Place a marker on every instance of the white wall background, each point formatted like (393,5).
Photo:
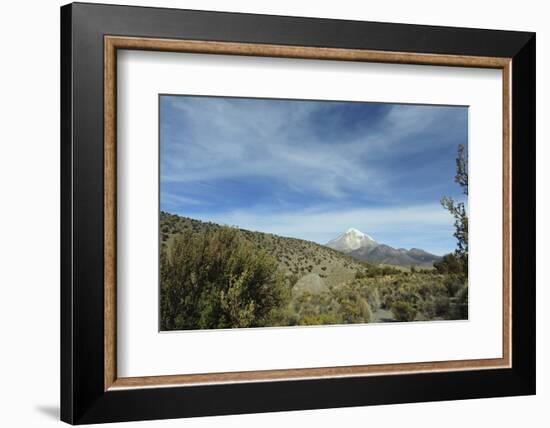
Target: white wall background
(29,214)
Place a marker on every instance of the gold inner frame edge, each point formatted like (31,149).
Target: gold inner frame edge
(113,43)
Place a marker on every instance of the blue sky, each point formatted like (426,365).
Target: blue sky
(313,169)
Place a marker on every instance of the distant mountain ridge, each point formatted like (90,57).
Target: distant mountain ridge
(363,247)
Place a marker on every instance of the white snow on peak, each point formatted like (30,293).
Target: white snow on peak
(354,231)
(351,240)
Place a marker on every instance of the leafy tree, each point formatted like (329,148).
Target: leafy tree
(458,209)
(449,264)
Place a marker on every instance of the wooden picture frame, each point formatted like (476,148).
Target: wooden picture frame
(91,390)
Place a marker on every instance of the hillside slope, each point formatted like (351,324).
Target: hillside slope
(312,265)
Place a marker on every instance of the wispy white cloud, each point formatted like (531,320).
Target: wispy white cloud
(227,140)
(273,141)
(175,200)
(357,174)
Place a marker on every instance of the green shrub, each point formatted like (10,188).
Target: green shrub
(403,311)
(218,280)
(373,297)
(453,283)
(352,306)
(442,306)
(459,309)
(320,319)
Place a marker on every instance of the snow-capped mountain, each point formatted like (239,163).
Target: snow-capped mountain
(362,247)
(351,240)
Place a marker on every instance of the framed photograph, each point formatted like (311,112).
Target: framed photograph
(266,213)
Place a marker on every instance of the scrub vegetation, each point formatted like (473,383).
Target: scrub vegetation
(214,276)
